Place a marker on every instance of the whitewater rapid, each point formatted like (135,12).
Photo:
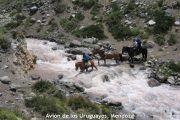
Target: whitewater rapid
(127,85)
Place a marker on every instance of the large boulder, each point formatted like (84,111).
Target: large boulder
(35,77)
(90,40)
(153,83)
(171,80)
(150,44)
(78,51)
(5,80)
(75,43)
(161,78)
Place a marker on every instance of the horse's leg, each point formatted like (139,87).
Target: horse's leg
(105,61)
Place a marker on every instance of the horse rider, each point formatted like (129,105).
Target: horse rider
(137,43)
(86,58)
(108,48)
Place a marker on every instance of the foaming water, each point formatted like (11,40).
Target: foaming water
(126,85)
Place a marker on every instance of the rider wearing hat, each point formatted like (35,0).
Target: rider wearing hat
(137,43)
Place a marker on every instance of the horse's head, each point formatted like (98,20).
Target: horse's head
(76,66)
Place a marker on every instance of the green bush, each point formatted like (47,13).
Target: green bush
(69,24)
(86,4)
(4,42)
(6,114)
(59,7)
(52,25)
(160,40)
(130,7)
(96,9)
(163,22)
(12,25)
(172,39)
(78,102)
(91,31)
(43,105)
(174,66)
(43,86)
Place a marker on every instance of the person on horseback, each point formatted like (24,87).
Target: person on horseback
(86,58)
(108,48)
(137,43)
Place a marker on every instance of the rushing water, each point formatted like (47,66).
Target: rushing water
(126,85)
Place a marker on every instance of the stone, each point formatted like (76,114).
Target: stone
(1,94)
(78,51)
(150,44)
(131,65)
(161,78)
(60,76)
(171,80)
(75,43)
(35,77)
(5,67)
(14,87)
(5,80)
(106,78)
(177,23)
(79,87)
(90,40)
(153,83)
(33,9)
(151,22)
(54,48)
(72,57)
(116,104)
(142,68)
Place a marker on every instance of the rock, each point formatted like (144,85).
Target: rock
(90,40)
(1,94)
(150,44)
(14,87)
(106,78)
(72,57)
(78,51)
(171,80)
(116,104)
(35,77)
(153,83)
(75,43)
(142,68)
(44,43)
(79,87)
(5,67)
(151,22)
(131,65)
(5,80)
(161,78)
(33,10)
(54,48)
(60,76)
(177,23)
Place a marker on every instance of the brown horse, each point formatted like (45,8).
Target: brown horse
(83,67)
(103,56)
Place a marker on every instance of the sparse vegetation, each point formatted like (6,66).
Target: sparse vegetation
(52,25)
(130,7)
(91,31)
(58,103)
(4,42)
(96,9)
(163,22)
(6,114)
(43,86)
(159,39)
(59,7)
(86,4)
(172,39)
(12,25)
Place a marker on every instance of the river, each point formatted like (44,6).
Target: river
(126,85)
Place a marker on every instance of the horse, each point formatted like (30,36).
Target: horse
(83,67)
(132,52)
(103,56)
